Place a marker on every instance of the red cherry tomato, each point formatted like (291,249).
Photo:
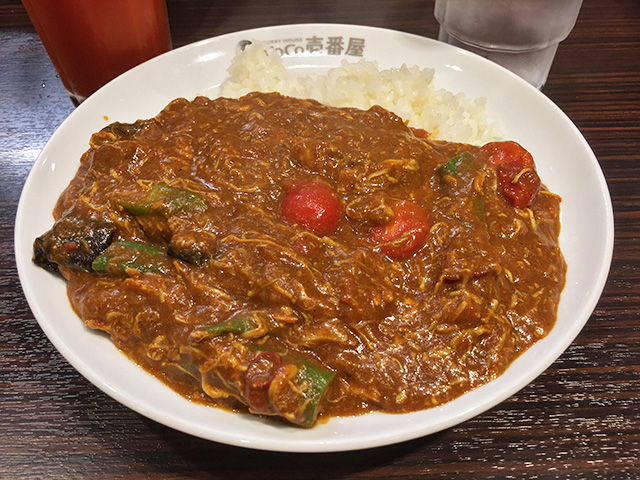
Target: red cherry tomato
(519,183)
(517,174)
(405,233)
(258,377)
(313,205)
(420,132)
(496,153)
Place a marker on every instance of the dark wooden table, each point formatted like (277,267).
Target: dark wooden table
(579,420)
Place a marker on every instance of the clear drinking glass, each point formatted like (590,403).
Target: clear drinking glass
(521,35)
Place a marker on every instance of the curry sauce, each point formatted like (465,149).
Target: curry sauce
(274,255)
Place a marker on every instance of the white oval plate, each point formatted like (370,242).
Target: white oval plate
(565,162)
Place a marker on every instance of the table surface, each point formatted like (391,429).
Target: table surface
(578,420)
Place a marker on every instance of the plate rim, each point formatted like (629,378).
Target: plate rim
(299,446)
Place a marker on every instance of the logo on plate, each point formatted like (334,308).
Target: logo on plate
(330,45)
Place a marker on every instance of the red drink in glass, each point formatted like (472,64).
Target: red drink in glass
(90,42)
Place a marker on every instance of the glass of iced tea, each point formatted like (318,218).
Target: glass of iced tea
(90,42)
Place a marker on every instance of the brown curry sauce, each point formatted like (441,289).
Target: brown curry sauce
(174,241)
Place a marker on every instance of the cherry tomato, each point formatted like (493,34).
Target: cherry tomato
(496,153)
(258,377)
(313,205)
(517,174)
(405,233)
(519,183)
(420,133)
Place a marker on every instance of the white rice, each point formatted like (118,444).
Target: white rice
(407,91)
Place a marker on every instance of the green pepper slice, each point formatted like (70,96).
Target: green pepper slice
(236,324)
(318,380)
(166,201)
(479,208)
(452,166)
(127,254)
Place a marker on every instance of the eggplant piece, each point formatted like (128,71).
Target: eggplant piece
(73,241)
(193,246)
(127,131)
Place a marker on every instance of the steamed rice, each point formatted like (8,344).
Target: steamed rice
(407,91)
